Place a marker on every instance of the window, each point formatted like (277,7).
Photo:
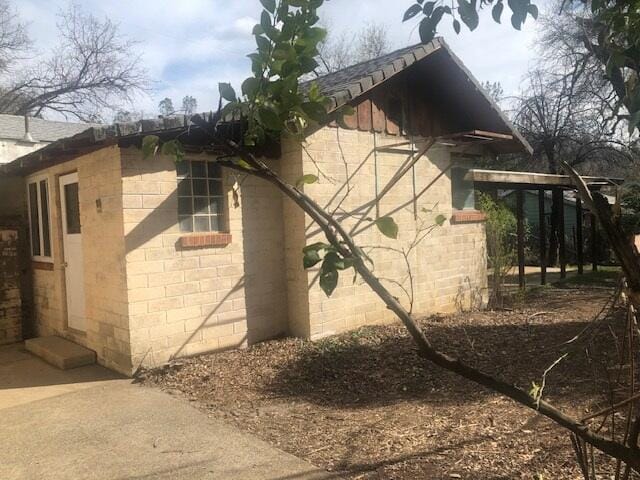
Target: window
(462,190)
(39,222)
(200,196)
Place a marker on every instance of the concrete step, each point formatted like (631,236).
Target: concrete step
(60,352)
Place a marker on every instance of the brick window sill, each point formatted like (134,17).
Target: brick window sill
(37,265)
(468,216)
(200,240)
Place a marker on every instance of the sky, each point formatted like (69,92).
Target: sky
(188,46)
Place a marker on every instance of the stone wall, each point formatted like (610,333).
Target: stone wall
(448,266)
(188,300)
(10,297)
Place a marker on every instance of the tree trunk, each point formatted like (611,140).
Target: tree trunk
(554,228)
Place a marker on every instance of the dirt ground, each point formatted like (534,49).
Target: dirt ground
(364,405)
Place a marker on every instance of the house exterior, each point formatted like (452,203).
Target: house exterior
(19,135)
(146,260)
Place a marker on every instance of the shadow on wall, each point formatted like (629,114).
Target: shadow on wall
(362,214)
(264,301)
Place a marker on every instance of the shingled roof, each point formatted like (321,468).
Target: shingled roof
(12,127)
(350,82)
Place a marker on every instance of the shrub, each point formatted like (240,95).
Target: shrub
(501,228)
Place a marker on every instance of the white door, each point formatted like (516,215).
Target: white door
(72,245)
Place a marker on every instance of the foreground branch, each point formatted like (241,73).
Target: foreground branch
(345,244)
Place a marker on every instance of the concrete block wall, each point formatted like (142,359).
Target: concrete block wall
(185,301)
(106,307)
(448,267)
(10,297)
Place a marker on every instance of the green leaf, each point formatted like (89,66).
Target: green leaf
(265,21)
(335,261)
(440,219)
(227,92)
(269,5)
(173,148)
(456,26)
(150,145)
(315,111)
(387,226)
(468,13)
(328,278)
(307,179)
(250,86)
(242,163)
(412,11)
(310,258)
(496,11)
(269,119)
(533,11)
(428,8)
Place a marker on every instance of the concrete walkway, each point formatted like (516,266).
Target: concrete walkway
(87,423)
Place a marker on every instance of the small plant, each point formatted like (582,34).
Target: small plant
(501,253)
(630,206)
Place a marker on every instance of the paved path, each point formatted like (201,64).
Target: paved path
(87,423)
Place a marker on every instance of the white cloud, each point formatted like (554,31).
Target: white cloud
(191,45)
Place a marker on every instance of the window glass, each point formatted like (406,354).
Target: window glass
(35,219)
(44,208)
(200,196)
(462,190)
(72,208)
(40,229)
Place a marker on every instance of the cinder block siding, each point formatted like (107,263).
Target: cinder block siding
(185,301)
(99,178)
(448,266)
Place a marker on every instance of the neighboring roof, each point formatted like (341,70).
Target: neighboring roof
(13,127)
(443,69)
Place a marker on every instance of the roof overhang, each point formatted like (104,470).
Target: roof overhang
(443,73)
(533,181)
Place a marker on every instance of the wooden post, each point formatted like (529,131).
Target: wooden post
(561,235)
(579,236)
(520,233)
(594,243)
(543,237)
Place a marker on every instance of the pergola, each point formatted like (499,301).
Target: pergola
(542,182)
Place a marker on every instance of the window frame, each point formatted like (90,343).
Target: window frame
(456,180)
(37,181)
(223,213)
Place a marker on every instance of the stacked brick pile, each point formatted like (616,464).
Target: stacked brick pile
(10,305)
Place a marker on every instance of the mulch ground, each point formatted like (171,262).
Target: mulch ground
(364,405)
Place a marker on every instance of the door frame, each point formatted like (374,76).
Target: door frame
(63,180)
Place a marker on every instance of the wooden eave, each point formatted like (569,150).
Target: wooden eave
(533,180)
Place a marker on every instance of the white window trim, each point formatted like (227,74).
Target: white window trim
(37,179)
